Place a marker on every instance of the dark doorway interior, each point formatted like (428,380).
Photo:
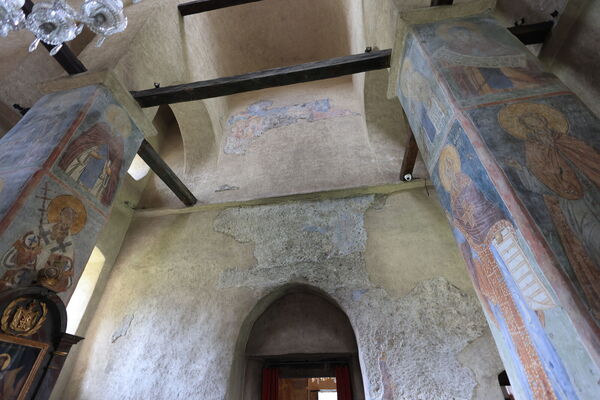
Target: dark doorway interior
(301,377)
(302,336)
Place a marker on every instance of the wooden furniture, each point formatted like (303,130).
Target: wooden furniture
(33,342)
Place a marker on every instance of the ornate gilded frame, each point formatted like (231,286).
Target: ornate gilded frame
(43,347)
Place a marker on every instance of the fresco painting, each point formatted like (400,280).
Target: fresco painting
(50,244)
(423,101)
(243,128)
(541,145)
(105,142)
(41,132)
(11,184)
(510,288)
(480,65)
(549,150)
(51,213)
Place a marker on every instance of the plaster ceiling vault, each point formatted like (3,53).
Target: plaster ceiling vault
(161,46)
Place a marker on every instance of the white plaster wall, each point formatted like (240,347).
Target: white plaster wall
(168,322)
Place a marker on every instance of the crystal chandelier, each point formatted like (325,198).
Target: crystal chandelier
(56,22)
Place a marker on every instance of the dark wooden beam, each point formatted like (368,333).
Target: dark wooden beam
(411,151)
(264,79)
(200,6)
(160,168)
(65,57)
(532,33)
(441,3)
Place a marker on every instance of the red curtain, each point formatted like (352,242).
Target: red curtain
(270,383)
(342,377)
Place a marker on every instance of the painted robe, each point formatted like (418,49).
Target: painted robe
(476,217)
(40,254)
(94,160)
(566,172)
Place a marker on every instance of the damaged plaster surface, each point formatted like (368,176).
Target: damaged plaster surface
(408,346)
(192,280)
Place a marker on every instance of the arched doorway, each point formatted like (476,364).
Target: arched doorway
(301,343)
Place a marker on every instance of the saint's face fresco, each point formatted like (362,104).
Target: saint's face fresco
(558,174)
(45,254)
(511,291)
(512,139)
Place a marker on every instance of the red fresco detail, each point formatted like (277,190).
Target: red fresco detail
(36,177)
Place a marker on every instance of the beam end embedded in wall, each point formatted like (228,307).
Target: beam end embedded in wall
(410,157)
(200,6)
(164,172)
(532,33)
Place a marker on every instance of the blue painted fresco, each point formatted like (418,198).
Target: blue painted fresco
(32,140)
(423,101)
(79,145)
(260,117)
(547,144)
(480,63)
(105,141)
(549,149)
(475,209)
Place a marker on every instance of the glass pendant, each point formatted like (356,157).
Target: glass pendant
(11,16)
(52,23)
(104,17)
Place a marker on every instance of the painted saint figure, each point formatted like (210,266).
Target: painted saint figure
(45,254)
(566,172)
(478,223)
(94,160)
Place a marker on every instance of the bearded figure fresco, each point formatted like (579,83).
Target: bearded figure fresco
(94,160)
(565,171)
(500,270)
(45,254)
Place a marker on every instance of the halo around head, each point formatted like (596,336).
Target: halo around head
(67,201)
(118,120)
(510,118)
(448,156)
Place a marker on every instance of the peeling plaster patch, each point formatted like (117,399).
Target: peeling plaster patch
(123,328)
(326,274)
(293,233)
(224,188)
(418,336)
(260,117)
